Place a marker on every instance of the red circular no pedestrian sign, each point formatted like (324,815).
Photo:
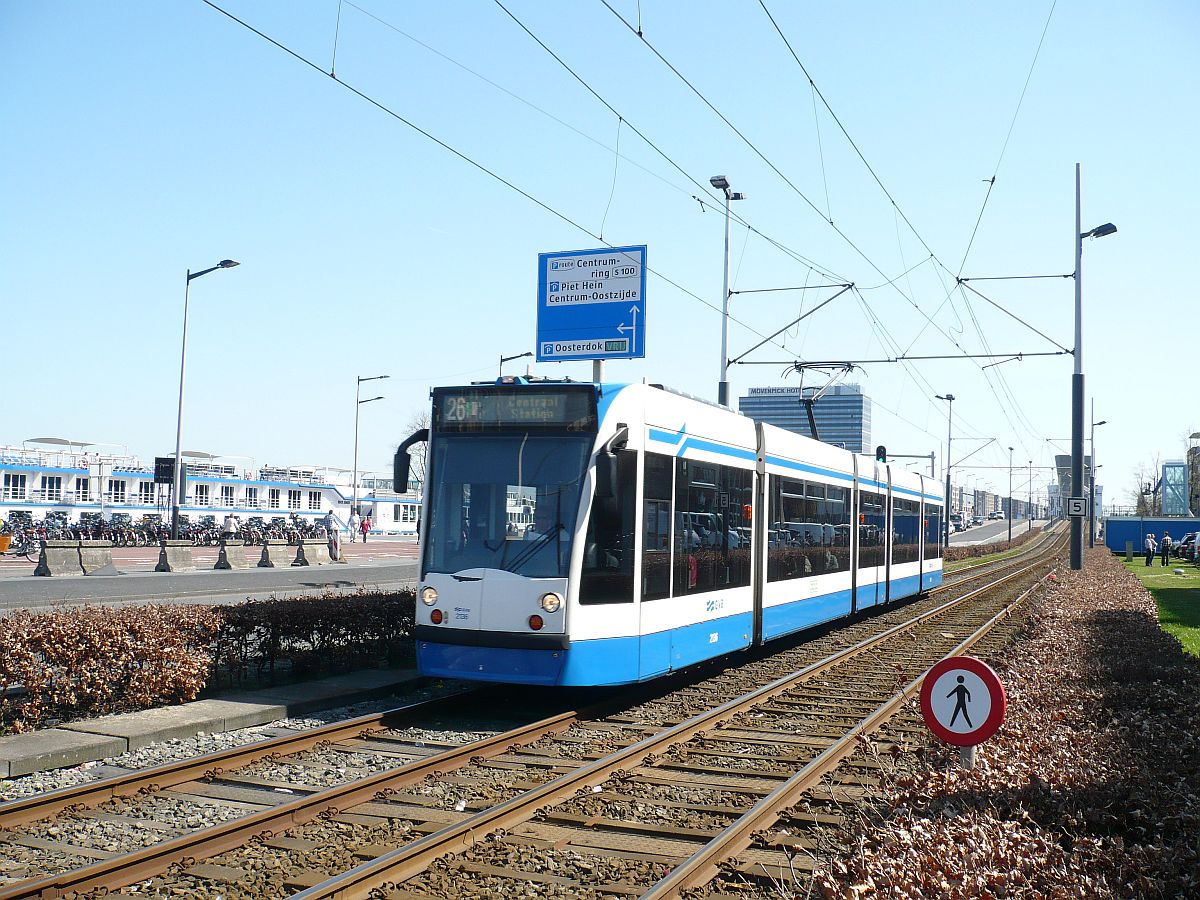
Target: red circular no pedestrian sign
(963,700)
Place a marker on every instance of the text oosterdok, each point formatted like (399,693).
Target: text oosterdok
(578,346)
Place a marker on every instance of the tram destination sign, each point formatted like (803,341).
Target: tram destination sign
(556,408)
(592,304)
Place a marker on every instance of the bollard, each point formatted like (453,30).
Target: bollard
(276,553)
(232,555)
(175,556)
(1129,551)
(95,557)
(312,552)
(59,558)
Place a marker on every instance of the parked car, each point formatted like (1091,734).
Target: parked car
(1186,547)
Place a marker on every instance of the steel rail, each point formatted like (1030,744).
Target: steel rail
(404,862)
(123,870)
(210,765)
(705,863)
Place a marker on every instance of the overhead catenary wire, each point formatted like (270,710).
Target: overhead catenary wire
(512,94)
(713,199)
(754,148)
(896,206)
(1007,137)
(462,156)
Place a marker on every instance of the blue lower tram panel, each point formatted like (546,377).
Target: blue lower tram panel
(625,660)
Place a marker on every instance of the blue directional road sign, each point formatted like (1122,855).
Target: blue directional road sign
(592,304)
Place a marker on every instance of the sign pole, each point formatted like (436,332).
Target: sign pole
(966,757)
(598,371)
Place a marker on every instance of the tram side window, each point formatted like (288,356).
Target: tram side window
(607,575)
(656,527)
(872,525)
(933,531)
(906,531)
(710,552)
(809,533)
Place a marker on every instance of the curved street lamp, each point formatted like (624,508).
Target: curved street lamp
(358,403)
(1077,378)
(177,480)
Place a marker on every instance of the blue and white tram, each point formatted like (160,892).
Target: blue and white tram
(593,534)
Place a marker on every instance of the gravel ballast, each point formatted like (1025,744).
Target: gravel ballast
(1090,788)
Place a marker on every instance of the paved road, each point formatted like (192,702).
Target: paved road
(990,532)
(383,564)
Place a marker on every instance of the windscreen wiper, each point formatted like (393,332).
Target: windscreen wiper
(529,552)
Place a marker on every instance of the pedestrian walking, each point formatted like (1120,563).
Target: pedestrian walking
(1164,547)
(364,527)
(353,523)
(1151,549)
(230,527)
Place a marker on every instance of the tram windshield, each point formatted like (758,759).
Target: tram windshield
(504,501)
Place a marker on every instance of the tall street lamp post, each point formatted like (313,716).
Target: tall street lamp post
(1010,500)
(721,183)
(949,398)
(1029,503)
(1092,479)
(358,403)
(177,479)
(1077,378)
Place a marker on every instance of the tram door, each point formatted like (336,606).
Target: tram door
(654,655)
(872,545)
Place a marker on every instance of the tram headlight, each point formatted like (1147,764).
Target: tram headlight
(551,602)
(429,596)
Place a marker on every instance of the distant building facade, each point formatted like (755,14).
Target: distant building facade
(843,413)
(1175,488)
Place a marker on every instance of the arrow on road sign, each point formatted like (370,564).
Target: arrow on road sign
(622,328)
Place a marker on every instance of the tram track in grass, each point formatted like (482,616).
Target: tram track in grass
(678,768)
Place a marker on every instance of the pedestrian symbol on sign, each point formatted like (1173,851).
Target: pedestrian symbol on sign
(960,705)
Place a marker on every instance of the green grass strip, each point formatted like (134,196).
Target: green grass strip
(1177,596)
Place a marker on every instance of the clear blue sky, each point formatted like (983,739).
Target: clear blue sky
(146,138)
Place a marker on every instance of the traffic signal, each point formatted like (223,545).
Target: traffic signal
(881,454)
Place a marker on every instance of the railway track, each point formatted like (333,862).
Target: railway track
(393,824)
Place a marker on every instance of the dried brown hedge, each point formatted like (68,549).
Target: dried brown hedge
(97,660)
